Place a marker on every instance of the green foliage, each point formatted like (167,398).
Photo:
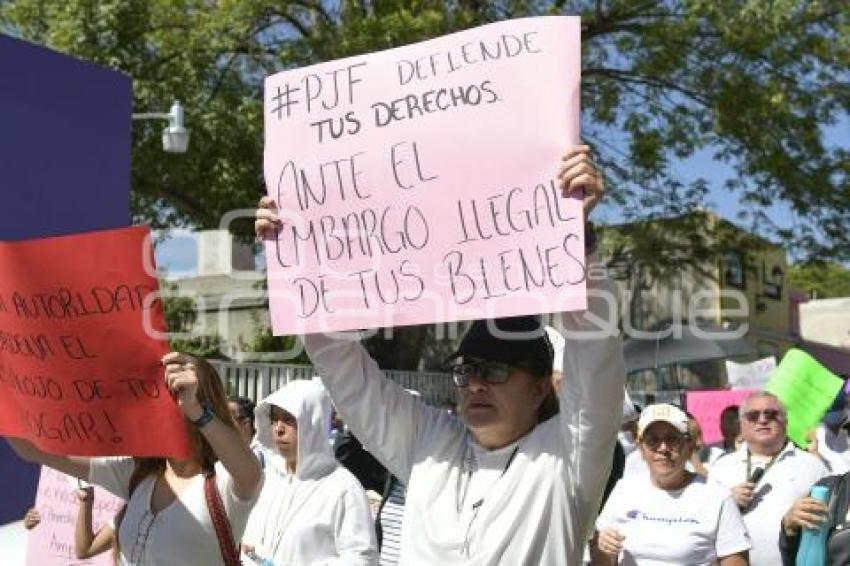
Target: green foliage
(180,313)
(756,82)
(823,280)
(208,347)
(265,341)
(180,316)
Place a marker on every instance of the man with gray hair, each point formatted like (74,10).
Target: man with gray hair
(766,474)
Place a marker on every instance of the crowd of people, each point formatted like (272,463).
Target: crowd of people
(528,470)
(754,485)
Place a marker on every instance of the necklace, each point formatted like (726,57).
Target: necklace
(766,467)
(470,465)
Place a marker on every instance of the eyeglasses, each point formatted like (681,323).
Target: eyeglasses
(754,416)
(673,441)
(493,373)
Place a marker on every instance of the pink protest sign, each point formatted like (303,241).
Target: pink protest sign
(706,407)
(418,184)
(52,541)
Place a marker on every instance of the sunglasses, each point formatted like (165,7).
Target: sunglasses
(754,416)
(673,441)
(493,373)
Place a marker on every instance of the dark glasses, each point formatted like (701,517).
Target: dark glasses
(493,373)
(673,441)
(754,416)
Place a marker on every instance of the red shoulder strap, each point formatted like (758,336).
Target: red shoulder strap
(229,552)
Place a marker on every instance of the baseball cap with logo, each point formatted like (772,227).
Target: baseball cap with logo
(662,412)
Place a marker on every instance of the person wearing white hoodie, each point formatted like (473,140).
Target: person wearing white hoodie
(311,511)
(506,482)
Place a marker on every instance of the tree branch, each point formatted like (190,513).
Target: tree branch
(629,77)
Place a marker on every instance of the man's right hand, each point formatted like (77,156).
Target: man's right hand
(743,494)
(267,222)
(806,513)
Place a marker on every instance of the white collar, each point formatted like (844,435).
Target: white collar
(787,450)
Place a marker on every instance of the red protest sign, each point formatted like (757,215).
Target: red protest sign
(81,337)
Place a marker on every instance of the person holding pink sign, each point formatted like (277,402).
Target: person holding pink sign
(507,481)
(87,542)
(179,512)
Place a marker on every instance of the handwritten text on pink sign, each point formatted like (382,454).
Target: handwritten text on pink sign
(419,184)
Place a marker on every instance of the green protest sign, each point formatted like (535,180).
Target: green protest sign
(806,388)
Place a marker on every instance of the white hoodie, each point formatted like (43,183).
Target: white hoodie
(320,514)
(531,503)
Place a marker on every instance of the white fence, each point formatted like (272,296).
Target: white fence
(256,381)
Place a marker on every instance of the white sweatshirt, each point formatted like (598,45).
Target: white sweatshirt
(318,516)
(541,508)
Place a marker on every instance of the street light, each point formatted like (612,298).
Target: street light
(175,138)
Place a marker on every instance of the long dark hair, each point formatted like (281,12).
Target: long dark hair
(211,394)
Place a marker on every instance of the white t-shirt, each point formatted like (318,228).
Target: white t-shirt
(695,525)
(182,534)
(714,454)
(790,477)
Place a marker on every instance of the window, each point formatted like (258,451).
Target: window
(733,271)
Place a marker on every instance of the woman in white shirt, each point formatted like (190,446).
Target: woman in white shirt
(312,511)
(670,516)
(167,519)
(506,481)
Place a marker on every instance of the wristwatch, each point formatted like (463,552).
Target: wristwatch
(205,417)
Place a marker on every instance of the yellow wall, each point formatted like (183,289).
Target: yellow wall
(769,318)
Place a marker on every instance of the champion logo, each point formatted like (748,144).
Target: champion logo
(632,514)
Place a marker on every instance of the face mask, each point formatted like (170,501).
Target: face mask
(835,418)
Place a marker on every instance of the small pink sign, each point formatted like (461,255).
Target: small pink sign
(52,541)
(418,184)
(706,407)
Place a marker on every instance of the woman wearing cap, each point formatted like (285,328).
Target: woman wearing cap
(501,483)
(312,510)
(671,516)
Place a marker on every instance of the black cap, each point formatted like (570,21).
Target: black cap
(514,340)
